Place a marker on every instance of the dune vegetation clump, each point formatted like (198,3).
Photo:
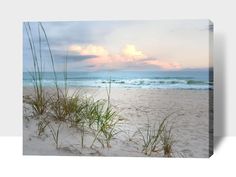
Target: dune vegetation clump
(84,113)
(157,138)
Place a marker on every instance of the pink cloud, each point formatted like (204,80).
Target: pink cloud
(129,56)
(163,65)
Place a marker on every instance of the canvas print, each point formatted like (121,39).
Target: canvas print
(118,88)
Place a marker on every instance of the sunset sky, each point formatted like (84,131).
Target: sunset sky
(123,45)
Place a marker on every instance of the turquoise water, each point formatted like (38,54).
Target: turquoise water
(198,79)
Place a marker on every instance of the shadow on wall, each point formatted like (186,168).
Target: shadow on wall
(219,89)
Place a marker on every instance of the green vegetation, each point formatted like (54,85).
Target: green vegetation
(83,113)
(55,133)
(157,139)
(42,124)
(167,142)
(38,101)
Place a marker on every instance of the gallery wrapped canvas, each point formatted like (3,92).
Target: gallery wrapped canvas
(118,88)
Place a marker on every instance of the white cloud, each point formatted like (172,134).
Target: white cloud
(131,52)
(89,50)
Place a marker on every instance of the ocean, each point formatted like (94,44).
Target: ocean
(193,80)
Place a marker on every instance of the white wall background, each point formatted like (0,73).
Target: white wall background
(12,13)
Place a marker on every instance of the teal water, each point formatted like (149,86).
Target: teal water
(197,79)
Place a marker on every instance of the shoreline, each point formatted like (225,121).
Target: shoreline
(124,88)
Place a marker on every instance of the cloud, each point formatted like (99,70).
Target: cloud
(97,57)
(105,60)
(131,52)
(146,44)
(129,58)
(89,50)
(72,57)
(163,64)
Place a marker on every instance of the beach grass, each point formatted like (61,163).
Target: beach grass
(167,142)
(106,121)
(55,133)
(157,139)
(82,112)
(42,125)
(62,107)
(38,100)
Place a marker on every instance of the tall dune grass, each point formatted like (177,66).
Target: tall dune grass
(84,113)
(38,101)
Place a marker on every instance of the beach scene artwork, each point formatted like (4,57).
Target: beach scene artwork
(118,88)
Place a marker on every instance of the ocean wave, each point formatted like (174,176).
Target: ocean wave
(132,83)
(155,81)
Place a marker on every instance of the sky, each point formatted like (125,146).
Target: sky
(120,45)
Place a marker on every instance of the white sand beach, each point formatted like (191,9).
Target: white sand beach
(190,122)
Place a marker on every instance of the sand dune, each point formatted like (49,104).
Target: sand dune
(190,121)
